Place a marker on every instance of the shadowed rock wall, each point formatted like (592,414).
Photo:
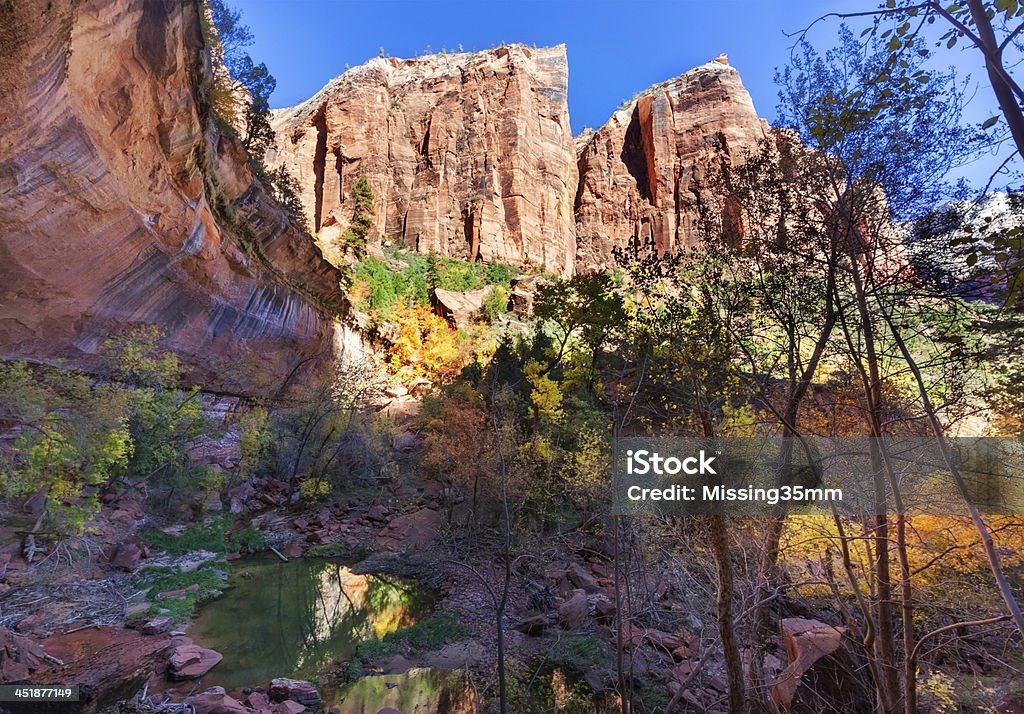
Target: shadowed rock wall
(120,205)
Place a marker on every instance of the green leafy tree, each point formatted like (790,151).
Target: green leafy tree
(163,418)
(73,438)
(232,36)
(240,77)
(435,268)
(495,304)
(587,309)
(255,436)
(883,132)
(993,28)
(362,214)
(259,84)
(330,437)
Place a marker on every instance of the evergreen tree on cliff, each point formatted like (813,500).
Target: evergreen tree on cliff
(245,77)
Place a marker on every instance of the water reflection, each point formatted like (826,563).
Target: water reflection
(418,691)
(295,619)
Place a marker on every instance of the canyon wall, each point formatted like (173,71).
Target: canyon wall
(469,155)
(120,204)
(643,172)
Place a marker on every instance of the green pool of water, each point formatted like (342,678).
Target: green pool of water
(295,619)
(418,691)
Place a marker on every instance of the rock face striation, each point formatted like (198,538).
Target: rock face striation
(121,205)
(642,173)
(469,155)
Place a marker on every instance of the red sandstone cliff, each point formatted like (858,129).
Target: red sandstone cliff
(469,154)
(120,205)
(641,173)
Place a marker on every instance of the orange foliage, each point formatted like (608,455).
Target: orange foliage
(460,443)
(944,552)
(425,343)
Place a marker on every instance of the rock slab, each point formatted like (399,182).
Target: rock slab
(296,690)
(19,656)
(192,661)
(215,701)
(410,531)
(807,643)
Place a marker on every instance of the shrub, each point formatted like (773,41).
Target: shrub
(162,418)
(498,273)
(209,577)
(495,304)
(377,284)
(74,438)
(315,489)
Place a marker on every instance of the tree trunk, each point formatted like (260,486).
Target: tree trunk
(907,603)
(867,365)
(997,74)
(726,624)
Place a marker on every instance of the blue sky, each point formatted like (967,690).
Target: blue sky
(615,48)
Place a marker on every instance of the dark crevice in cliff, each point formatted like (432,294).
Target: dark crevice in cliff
(424,147)
(471,225)
(319,165)
(151,38)
(339,168)
(633,156)
(581,167)
(678,199)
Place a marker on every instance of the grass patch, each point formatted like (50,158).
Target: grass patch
(579,653)
(248,540)
(209,578)
(430,634)
(336,550)
(374,649)
(213,536)
(564,670)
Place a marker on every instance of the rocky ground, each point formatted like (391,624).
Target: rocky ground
(78,613)
(59,632)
